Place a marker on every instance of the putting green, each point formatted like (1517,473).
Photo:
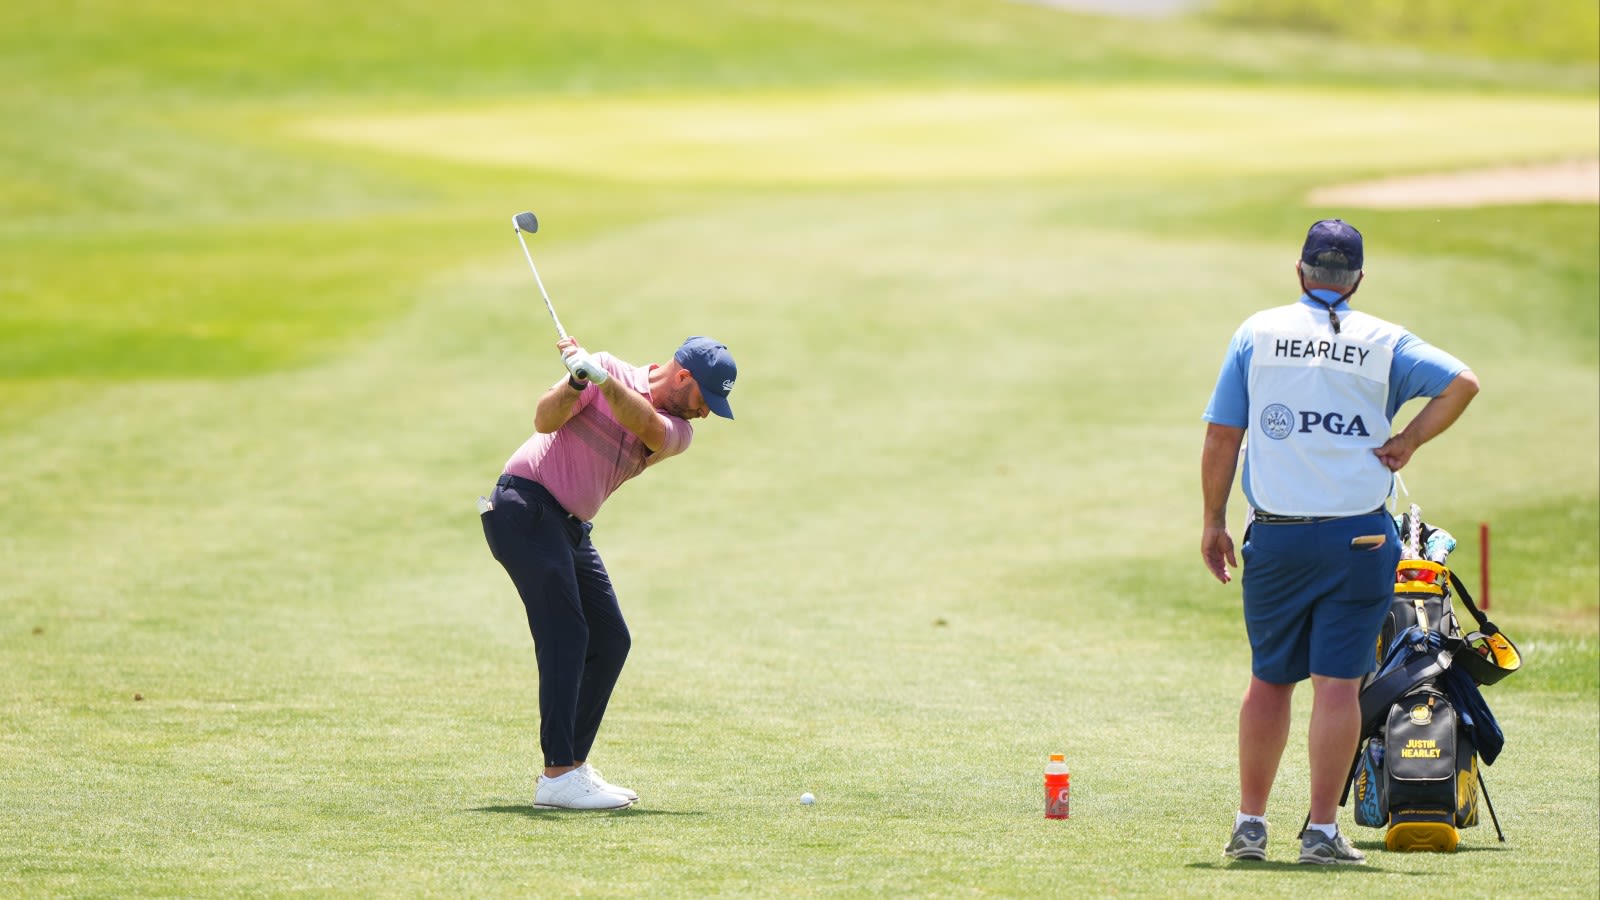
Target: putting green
(1024,132)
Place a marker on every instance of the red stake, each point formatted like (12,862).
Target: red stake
(1483,564)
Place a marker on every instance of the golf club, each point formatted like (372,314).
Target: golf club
(526,221)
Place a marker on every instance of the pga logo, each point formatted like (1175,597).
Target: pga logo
(1279,421)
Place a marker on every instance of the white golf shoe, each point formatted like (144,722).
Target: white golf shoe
(578,789)
(613,788)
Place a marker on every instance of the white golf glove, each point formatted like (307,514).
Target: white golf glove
(584,368)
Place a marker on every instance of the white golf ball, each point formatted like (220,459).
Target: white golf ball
(807,799)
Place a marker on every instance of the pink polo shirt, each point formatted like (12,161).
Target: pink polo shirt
(590,456)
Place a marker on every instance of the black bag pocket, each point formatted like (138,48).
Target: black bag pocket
(1420,755)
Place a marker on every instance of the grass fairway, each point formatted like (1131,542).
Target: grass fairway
(265,334)
(997,133)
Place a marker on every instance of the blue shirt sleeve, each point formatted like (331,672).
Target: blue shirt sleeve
(1230,399)
(1419,369)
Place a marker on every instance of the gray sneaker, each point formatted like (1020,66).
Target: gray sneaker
(1317,848)
(1249,842)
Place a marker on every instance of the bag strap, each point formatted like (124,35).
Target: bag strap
(1484,625)
(1406,667)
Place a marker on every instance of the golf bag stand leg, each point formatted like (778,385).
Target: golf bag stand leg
(1490,803)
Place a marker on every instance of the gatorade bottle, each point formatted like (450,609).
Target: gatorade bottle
(1057,788)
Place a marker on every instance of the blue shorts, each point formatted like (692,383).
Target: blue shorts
(1314,605)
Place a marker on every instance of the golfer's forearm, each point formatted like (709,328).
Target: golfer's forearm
(554,408)
(1217,463)
(1442,411)
(635,413)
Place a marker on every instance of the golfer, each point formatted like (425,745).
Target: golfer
(1317,385)
(604,423)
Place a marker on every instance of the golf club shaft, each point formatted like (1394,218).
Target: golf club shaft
(547,304)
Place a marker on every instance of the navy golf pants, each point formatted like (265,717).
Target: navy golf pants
(579,638)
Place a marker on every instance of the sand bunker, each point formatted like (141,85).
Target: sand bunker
(1576,181)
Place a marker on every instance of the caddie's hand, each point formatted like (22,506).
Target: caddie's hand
(1216,548)
(1396,451)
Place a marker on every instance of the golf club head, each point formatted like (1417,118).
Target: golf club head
(525,221)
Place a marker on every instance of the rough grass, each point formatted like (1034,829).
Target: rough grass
(1557,29)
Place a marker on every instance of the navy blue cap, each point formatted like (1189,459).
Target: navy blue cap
(1332,236)
(712,367)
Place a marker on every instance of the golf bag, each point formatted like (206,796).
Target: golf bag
(1424,723)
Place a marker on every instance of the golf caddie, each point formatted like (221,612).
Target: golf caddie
(1316,386)
(599,426)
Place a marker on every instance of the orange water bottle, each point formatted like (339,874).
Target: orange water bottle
(1057,788)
